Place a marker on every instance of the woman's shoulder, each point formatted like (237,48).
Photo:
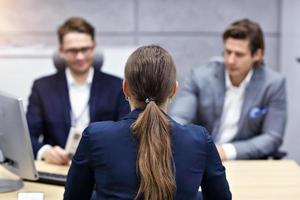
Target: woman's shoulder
(191,132)
(191,128)
(106,128)
(96,126)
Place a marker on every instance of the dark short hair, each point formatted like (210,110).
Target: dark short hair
(246,29)
(75,24)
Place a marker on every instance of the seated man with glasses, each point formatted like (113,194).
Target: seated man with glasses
(63,104)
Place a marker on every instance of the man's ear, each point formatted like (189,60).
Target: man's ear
(258,55)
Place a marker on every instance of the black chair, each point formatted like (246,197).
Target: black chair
(60,64)
(278,155)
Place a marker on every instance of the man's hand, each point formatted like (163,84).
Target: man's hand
(221,152)
(56,155)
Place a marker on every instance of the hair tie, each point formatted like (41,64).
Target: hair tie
(150,99)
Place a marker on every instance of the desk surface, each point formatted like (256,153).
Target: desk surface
(264,180)
(51,192)
(249,180)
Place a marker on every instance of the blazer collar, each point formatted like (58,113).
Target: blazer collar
(71,81)
(251,92)
(135,114)
(62,87)
(98,84)
(220,86)
(219,95)
(63,91)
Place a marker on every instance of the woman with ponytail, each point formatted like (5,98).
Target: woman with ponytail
(147,155)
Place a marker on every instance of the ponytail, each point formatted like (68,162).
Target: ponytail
(155,165)
(150,75)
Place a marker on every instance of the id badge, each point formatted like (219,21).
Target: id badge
(73,141)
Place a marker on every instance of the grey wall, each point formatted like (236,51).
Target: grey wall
(191,30)
(290,51)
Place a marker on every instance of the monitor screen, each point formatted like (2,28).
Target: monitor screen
(16,153)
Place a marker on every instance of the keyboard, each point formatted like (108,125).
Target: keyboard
(52,178)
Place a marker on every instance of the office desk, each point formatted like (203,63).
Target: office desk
(264,180)
(249,180)
(51,192)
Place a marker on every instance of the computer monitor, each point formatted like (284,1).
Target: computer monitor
(16,153)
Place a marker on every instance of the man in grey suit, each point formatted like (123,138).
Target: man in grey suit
(239,100)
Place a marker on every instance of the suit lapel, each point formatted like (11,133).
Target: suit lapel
(64,95)
(95,94)
(250,96)
(219,95)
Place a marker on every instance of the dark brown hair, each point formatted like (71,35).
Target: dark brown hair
(246,29)
(75,24)
(150,75)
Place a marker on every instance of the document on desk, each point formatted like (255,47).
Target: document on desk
(30,196)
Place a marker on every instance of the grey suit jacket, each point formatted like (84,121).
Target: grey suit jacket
(263,117)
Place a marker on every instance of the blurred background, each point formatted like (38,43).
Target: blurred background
(190,30)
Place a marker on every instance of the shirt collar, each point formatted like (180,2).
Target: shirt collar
(244,83)
(71,80)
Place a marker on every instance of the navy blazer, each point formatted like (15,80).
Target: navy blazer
(48,112)
(107,154)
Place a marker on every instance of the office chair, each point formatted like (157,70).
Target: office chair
(278,155)
(60,64)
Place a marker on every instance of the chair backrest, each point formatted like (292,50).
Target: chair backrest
(60,64)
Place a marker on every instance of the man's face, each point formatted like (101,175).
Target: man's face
(77,49)
(238,58)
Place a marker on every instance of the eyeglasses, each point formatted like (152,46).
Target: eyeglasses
(74,51)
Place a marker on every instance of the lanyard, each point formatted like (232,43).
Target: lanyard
(76,119)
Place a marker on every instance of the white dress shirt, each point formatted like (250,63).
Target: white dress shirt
(233,102)
(79,95)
